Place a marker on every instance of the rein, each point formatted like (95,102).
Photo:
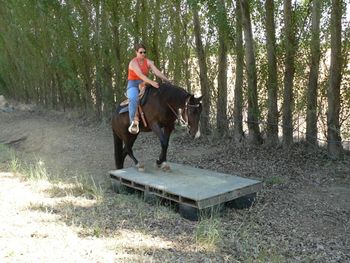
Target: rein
(178,116)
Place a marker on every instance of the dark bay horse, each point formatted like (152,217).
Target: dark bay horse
(160,111)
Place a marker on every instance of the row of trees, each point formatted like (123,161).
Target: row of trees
(260,65)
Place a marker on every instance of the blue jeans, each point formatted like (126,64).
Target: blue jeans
(133,92)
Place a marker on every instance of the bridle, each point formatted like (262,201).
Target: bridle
(179,117)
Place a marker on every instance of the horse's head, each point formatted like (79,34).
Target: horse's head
(192,114)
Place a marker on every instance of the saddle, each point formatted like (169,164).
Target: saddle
(142,95)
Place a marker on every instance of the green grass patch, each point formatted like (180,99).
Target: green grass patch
(208,233)
(275,180)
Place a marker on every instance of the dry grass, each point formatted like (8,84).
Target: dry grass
(74,215)
(80,185)
(69,215)
(86,186)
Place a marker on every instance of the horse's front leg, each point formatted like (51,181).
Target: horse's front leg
(164,142)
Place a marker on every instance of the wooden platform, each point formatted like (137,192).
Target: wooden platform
(198,188)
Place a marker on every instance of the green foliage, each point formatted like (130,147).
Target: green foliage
(74,54)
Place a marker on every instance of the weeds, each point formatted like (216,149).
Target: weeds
(208,233)
(164,213)
(97,232)
(87,187)
(36,171)
(275,180)
(14,164)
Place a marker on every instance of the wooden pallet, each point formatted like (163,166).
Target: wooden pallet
(188,186)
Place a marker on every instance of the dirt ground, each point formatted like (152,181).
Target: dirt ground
(302,214)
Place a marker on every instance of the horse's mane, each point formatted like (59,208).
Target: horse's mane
(167,85)
(172,94)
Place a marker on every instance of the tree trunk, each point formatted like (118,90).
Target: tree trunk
(288,101)
(118,88)
(178,42)
(335,149)
(272,85)
(203,72)
(311,113)
(137,23)
(221,115)
(155,38)
(107,75)
(253,107)
(238,99)
(98,70)
(144,21)
(187,53)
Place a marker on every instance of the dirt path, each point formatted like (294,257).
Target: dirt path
(302,213)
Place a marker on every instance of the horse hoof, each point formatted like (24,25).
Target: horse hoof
(140,167)
(165,167)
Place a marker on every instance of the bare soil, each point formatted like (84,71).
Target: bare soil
(302,214)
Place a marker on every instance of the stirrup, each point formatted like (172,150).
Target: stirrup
(134,128)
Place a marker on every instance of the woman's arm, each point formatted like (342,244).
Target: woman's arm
(156,71)
(135,67)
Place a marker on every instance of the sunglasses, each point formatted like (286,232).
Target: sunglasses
(142,52)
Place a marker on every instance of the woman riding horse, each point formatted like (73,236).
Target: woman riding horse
(160,112)
(137,73)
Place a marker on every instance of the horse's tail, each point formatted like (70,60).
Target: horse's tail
(118,151)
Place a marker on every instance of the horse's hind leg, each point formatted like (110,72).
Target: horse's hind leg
(118,151)
(128,151)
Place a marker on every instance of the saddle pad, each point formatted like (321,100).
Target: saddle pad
(122,109)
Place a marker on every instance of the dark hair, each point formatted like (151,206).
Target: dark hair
(139,45)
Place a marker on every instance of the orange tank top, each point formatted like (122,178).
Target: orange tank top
(144,69)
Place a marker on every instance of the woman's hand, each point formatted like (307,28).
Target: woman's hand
(154,84)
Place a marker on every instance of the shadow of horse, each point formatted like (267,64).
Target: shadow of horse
(160,112)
